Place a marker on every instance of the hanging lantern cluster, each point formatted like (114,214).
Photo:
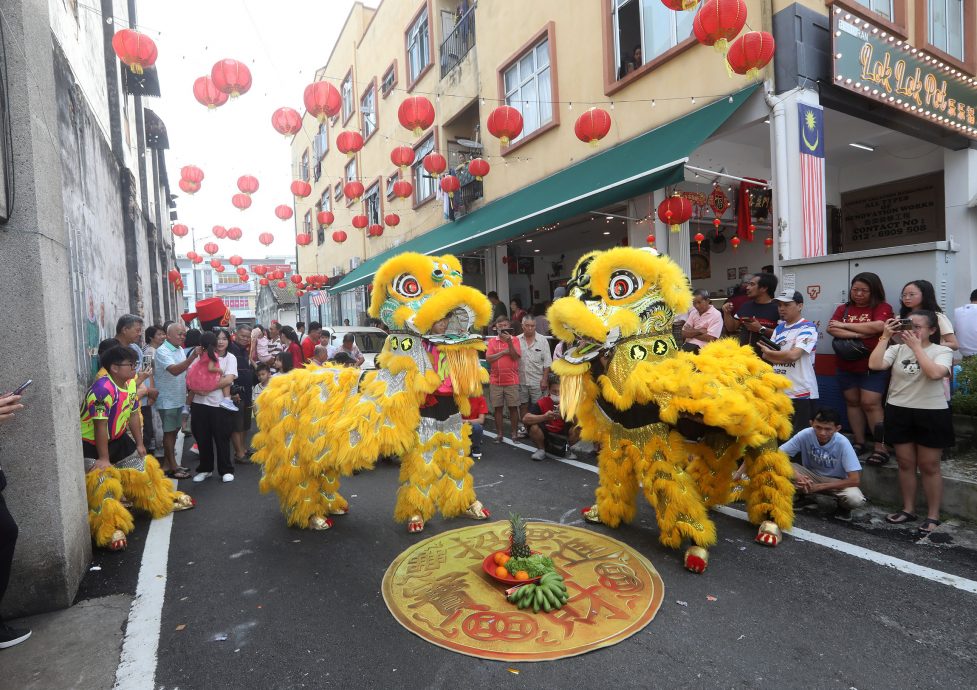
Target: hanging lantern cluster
(674,211)
(136,50)
(219,231)
(375,230)
(190,179)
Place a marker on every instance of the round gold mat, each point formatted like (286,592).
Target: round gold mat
(438,590)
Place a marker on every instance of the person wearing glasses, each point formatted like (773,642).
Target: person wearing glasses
(756,317)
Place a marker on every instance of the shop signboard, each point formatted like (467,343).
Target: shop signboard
(907,211)
(872,62)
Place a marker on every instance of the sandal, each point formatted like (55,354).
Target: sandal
(877,458)
(928,527)
(900,518)
(178,473)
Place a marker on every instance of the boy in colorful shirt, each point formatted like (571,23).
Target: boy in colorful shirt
(503,353)
(476,418)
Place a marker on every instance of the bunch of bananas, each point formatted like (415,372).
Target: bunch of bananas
(550,594)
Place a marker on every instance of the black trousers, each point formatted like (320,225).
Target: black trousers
(211,428)
(8,539)
(148,431)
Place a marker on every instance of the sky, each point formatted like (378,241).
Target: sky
(283,43)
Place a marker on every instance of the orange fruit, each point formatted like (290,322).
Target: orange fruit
(522,575)
(501,571)
(501,558)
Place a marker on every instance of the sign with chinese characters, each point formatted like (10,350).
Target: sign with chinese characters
(904,212)
(878,65)
(437,590)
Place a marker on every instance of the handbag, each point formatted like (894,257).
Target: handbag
(850,349)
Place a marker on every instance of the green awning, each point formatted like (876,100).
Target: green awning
(648,162)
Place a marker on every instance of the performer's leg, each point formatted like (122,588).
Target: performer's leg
(419,471)
(618,484)
(108,519)
(148,488)
(769,493)
(455,492)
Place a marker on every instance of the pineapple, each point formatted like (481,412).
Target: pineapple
(518,548)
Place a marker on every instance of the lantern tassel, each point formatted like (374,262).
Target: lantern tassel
(136,68)
(675,228)
(753,74)
(594,143)
(418,131)
(722,46)
(729,69)
(689,4)
(504,140)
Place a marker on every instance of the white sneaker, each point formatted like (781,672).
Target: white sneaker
(228,404)
(539,455)
(570,456)
(227,478)
(201,476)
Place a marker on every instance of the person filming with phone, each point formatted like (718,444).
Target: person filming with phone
(10,405)
(503,354)
(757,316)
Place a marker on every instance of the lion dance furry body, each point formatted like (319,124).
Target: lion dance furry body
(678,424)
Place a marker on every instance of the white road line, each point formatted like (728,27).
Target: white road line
(835,544)
(137,665)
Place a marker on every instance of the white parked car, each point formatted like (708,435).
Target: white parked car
(367,338)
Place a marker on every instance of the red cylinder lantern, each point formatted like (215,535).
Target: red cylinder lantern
(259,270)
(349,143)
(592,126)
(435,163)
(191,255)
(303,239)
(191,173)
(325,218)
(674,211)
(767,243)
(283,212)
(234,234)
(479,167)
(360,221)
(375,230)
(322,100)
(650,239)
(402,157)
(353,190)
(277,275)
(180,230)
(301,188)
(248,184)
(197,259)
(173,275)
(215,262)
(416,114)
(244,277)
(286,121)
(263,282)
(699,238)
(719,21)
(505,123)
(750,53)
(450,184)
(241,270)
(266,238)
(339,237)
(299,293)
(241,201)
(392,219)
(735,242)
(282,284)
(211,248)
(236,261)
(189,187)
(219,231)
(403,189)
(134,49)
(208,94)
(231,76)
(296,278)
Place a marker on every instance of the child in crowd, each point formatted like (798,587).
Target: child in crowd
(477,418)
(263,372)
(205,372)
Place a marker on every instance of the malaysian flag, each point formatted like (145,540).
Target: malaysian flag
(318,298)
(811,120)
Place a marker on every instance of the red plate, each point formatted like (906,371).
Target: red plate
(489,566)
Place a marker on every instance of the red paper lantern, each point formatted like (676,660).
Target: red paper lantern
(259,270)
(403,189)
(282,284)
(180,230)
(283,212)
(479,167)
(173,275)
(360,221)
(244,277)
(197,259)
(266,238)
(650,240)
(286,121)
(325,218)
(134,49)
(353,190)
(750,53)
(241,201)
(699,238)
(416,114)
(263,282)
(435,163)
(234,234)
(505,123)
(241,270)
(674,211)
(349,143)
(231,76)
(303,239)
(296,278)
(450,184)
(339,237)
(214,263)
(299,293)
(208,94)
(402,157)
(191,255)
(375,230)
(211,248)
(219,231)
(592,126)
(719,21)
(392,219)
(322,100)
(301,188)
(191,173)
(248,184)
(189,187)
(716,223)
(236,261)
(751,228)
(735,242)
(767,243)
(680,5)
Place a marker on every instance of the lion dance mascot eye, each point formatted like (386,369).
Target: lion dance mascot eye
(678,423)
(318,424)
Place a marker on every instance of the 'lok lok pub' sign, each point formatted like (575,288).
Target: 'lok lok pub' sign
(874,63)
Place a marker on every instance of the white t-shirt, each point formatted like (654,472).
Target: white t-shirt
(534,360)
(804,335)
(228,365)
(909,386)
(966,318)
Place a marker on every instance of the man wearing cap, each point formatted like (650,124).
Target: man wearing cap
(703,323)
(797,338)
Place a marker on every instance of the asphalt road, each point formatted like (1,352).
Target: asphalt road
(251,603)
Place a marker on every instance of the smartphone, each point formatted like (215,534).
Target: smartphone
(905,325)
(22,387)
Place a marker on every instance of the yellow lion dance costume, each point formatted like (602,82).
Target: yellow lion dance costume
(677,423)
(318,424)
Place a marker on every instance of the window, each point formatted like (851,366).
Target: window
(304,166)
(321,142)
(424,184)
(307,223)
(368,111)
(391,181)
(528,87)
(389,80)
(882,7)
(228,279)
(325,203)
(418,47)
(371,204)
(945,29)
(644,29)
(346,91)
(350,172)
(320,233)
(337,192)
